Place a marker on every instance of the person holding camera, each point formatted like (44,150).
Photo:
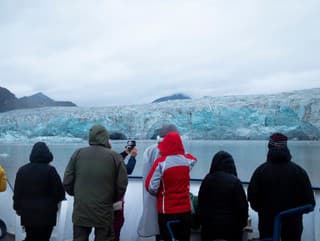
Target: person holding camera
(129,157)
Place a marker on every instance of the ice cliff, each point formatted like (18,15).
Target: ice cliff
(297,114)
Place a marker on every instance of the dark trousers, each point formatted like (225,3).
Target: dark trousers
(38,233)
(101,234)
(118,220)
(209,233)
(181,230)
(291,228)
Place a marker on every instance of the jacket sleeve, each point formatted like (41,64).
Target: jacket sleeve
(56,185)
(122,179)
(253,191)
(3,180)
(17,193)
(153,179)
(69,174)
(241,205)
(202,196)
(192,160)
(305,194)
(131,163)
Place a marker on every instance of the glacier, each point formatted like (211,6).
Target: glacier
(241,117)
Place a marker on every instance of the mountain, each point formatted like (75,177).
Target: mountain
(250,117)
(8,101)
(41,100)
(172,97)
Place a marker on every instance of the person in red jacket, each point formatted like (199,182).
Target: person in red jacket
(169,180)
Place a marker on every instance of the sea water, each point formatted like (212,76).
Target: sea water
(247,155)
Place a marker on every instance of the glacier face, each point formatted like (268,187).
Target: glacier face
(297,114)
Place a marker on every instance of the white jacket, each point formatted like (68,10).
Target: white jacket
(148,224)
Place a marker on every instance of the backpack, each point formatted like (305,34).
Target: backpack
(3,180)
(195,221)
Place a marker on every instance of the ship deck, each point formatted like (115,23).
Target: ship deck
(133,210)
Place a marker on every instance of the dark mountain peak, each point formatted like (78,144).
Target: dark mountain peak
(40,95)
(36,100)
(8,101)
(177,96)
(5,93)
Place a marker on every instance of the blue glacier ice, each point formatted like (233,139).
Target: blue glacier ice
(296,113)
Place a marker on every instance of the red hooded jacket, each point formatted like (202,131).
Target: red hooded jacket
(169,177)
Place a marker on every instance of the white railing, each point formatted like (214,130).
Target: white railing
(133,209)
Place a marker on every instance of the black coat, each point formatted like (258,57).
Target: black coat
(277,185)
(38,189)
(223,206)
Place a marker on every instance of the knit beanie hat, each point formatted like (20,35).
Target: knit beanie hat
(277,140)
(165,129)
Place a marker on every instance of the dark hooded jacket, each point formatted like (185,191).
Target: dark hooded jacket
(277,185)
(96,176)
(223,207)
(38,189)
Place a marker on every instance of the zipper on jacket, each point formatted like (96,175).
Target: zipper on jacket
(164,188)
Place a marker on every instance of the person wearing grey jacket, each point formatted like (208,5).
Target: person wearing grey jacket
(148,224)
(96,176)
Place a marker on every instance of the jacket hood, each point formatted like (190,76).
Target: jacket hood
(171,145)
(98,135)
(40,153)
(279,155)
(223,161)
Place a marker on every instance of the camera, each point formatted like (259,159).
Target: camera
(130,145)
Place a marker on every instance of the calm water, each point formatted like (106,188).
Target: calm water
(247,154)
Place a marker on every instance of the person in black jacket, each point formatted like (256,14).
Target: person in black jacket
(223,207)
(37,191)
(277,185)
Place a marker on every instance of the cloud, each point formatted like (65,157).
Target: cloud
(120,51)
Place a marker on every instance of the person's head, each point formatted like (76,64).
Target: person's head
(40,153)
(131,144)
(165,129)
(277,141)
(98,135)
(171,145)
(278,148)
(223,161)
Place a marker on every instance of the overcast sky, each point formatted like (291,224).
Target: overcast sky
(114,52)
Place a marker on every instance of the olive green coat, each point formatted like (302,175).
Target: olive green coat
(96,176)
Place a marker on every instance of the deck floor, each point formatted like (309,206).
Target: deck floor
(8,237)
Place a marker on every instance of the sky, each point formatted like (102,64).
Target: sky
(120,52)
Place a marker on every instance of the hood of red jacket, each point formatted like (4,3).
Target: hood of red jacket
(171,145)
